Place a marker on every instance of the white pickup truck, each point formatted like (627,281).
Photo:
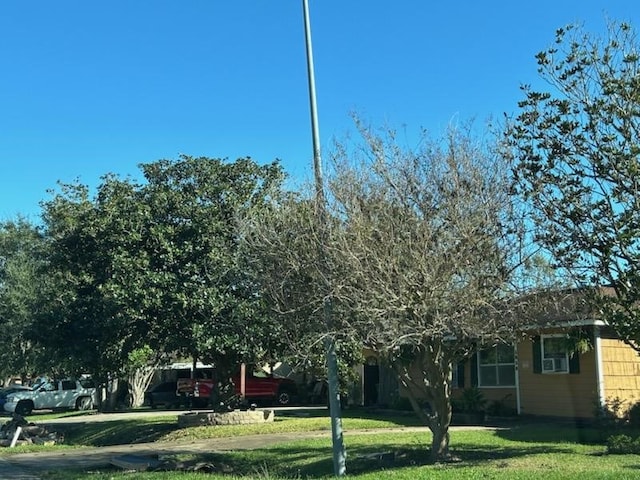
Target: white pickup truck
(52,395)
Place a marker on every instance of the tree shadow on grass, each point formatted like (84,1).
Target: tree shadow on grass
(552,433)
(312,462)
(315,460)
(464,456)
(117,432)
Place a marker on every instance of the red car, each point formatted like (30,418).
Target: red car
(259,386)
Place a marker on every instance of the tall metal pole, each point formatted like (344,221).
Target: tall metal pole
(339,453)
(315,130)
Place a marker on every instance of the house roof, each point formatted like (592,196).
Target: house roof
(562,308)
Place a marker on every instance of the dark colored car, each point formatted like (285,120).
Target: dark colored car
(163,394)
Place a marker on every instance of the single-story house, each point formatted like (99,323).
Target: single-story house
(565,365)
(544,376)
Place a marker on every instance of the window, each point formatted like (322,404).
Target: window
(87,383)
(496,366)
(552,354)
(455,377)
(555,358)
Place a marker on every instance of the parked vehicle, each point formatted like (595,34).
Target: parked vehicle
(164,394)
(259,387)
(59,394)
(11,389)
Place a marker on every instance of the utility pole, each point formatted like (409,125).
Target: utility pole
(339,453)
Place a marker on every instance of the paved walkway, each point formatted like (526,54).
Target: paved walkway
(94,457)
(14,472)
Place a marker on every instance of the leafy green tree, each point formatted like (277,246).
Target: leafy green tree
(22,259)
(576,148)
(81,328)
(143,364)
(156,263)
(187,272)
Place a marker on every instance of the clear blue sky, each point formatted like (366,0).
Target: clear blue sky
(90,87)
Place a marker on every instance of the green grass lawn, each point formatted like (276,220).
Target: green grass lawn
(520,452)
(164,428)
(482,455)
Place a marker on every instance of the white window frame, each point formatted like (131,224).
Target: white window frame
(545,362)
(496,365)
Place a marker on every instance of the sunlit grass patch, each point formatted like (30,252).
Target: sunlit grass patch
(480,455)
(520,452)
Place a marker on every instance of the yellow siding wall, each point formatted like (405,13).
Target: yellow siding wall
(621,371)
(569,395)
(505,395)
(562,394)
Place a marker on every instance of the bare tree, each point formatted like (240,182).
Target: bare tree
(281,249)
(422,247)
(427,248)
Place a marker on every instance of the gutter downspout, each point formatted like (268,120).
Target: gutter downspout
(599,367)
(517,366)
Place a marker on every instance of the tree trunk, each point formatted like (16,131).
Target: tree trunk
(440,421)
(440,443)
(112,388)
(139,381)
(429,380)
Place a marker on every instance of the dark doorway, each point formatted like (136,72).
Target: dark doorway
(371,381)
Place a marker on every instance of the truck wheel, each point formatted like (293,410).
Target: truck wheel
(84,403)
(24,407)
(284,398)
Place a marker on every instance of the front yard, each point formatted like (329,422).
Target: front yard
(526,451)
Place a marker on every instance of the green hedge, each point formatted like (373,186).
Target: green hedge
(623,444)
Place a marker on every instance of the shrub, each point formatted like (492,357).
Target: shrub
(456,404)
(499,408)
(472,400)
(633,415)
(612,415)
(623,444)
(402,404)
